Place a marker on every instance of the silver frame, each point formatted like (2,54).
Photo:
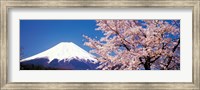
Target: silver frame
(7,4)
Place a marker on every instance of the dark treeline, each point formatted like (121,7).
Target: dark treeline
(35,67)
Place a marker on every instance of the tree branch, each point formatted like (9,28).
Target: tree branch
(176,46)
(173,50)
(155,59)
(123,39)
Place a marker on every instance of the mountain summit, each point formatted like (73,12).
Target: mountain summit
(65,55)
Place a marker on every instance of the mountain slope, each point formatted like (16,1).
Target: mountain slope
(65,55)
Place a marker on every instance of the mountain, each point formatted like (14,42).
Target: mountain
(63,56)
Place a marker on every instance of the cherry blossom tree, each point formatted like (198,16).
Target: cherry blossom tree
(137,44)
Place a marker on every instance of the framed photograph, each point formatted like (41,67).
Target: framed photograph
(122,44)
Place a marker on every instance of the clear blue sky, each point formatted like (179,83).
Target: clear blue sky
(39,35)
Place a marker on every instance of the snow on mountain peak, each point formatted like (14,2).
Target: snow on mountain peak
(64,51)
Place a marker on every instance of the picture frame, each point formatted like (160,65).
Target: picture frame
(4,43)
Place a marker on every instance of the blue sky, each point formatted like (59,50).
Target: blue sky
(39,35)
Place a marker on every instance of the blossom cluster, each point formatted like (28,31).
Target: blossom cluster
(137,44)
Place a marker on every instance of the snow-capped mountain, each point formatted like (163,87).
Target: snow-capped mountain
(65,55)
